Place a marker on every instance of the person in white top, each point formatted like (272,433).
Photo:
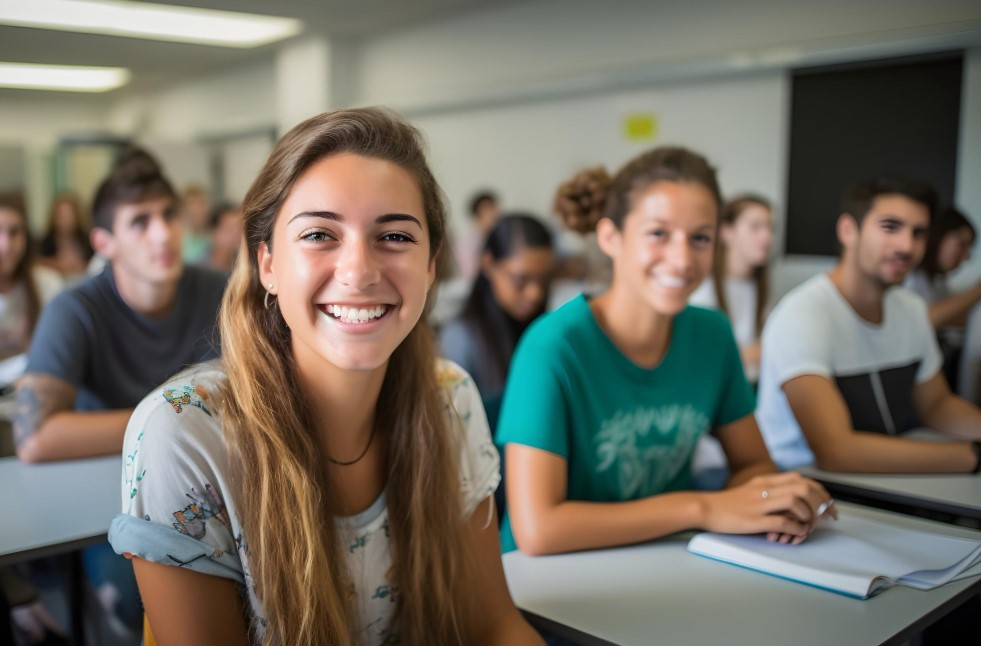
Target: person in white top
(739,285)
(330,481)
(849,358)
(25,288)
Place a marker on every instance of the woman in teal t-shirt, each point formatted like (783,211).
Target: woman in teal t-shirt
(607,398)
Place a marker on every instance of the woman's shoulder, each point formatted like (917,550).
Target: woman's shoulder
(181,412)
(557,327)
(450,376)
(462,395)
(480,463)
(704,318)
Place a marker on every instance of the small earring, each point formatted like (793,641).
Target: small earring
(265,299)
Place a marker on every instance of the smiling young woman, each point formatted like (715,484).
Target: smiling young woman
(607,397)
(330,479)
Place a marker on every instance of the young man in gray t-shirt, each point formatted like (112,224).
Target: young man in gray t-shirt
(100,347)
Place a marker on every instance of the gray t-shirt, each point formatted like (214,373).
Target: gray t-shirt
(92,339)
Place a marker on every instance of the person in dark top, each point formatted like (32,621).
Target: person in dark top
(101,346)
(510,291)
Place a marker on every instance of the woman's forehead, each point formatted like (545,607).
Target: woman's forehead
(354,186)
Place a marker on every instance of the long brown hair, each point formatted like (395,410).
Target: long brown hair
(283,492)
(761,274)
(24,271)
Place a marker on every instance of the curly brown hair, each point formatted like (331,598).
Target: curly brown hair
(591,195)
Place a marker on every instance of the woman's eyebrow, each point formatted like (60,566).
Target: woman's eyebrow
(335,217)
(398,217)
(326,215)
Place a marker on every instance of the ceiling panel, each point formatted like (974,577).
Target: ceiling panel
(157,64)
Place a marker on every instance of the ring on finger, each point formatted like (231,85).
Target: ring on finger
(765,494)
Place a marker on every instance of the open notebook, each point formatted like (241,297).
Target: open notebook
(853,556)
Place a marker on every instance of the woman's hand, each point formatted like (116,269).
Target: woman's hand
(784,506)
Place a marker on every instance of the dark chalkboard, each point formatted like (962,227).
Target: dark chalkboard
(848,123)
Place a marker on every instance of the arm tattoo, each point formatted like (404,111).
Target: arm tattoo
(38,398)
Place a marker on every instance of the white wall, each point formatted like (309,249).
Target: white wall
(557,46)
(535,90)
(525,151)
(517,97)
(237,100)
(36,125)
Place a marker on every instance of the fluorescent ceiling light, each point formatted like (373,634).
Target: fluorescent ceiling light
(67,78)
(151,21)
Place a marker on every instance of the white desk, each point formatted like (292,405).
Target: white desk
(55,508)
(958,494)
(659,593)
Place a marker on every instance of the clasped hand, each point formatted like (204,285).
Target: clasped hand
(784,506)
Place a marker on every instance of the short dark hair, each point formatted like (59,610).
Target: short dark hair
(860,197)
(136,177)
(478,200)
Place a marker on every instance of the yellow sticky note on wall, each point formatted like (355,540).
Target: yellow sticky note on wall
(640,127)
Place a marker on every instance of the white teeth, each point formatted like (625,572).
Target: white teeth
(671,281)
(354,314)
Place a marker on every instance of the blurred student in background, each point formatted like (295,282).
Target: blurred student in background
(24,287)
(196,209)
(948,246)
(739,284)
(850,361)
(607,397)
(226,236)
(484,211)
(102,345)
(509,292)
(24,290)
(65,246)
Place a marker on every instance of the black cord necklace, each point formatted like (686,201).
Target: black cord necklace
(339,463)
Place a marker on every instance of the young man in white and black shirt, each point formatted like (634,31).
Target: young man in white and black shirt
(850,360)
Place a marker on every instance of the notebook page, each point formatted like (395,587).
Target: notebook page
(837,553)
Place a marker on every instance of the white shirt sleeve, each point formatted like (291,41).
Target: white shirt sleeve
(797,341)
(175,498)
